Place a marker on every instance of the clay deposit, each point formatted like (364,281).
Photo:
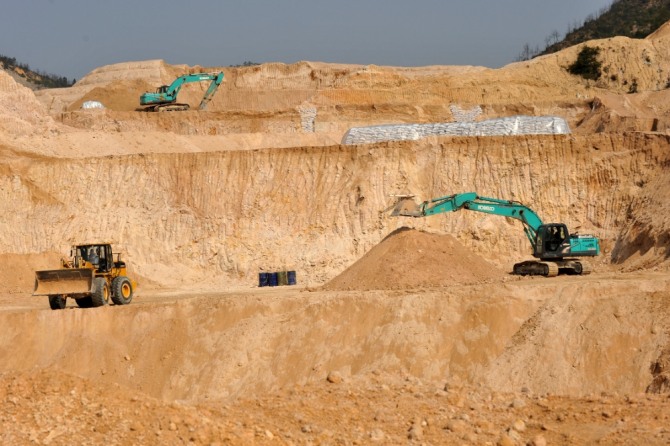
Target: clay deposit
(399,330)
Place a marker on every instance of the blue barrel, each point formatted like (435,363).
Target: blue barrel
(291,277)
(262,279)
(273,279)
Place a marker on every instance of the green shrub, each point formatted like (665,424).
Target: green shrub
(587,64)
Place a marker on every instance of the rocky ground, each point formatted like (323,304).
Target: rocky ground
(39,408)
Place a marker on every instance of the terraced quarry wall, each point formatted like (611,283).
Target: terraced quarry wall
(226,215)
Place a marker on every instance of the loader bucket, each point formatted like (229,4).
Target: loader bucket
(63,281)
(406,207)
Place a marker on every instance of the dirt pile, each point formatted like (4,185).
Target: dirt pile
(408,258)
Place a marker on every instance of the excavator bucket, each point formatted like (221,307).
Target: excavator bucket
(63,281)
(406,207)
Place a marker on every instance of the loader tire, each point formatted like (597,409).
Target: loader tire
(122,291)
(84,302)
(100,294)
(57,302)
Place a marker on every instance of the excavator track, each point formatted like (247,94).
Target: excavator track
(171,107)
(533,268)
(551,270)
(586,268)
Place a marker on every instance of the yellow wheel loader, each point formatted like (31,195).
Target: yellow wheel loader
(91,276)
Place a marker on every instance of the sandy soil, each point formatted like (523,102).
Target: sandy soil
(398,331)
(408,258)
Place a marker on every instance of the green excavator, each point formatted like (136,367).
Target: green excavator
(165,97)
(558,251)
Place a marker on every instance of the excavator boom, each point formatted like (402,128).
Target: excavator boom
(471,201)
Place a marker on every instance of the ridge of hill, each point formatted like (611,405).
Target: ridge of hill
(32,79)
(636,19)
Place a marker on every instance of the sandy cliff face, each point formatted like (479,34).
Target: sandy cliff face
(230,214)
(21,113)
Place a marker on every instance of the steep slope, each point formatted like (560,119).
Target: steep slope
(21,113)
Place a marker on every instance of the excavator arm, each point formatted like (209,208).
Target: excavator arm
(211,90)
(471,201)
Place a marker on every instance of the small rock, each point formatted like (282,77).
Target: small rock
(518,403)
(538,440)
(505,440)
(519,426)
(334,377)
(471,438)
(415,432)
(377,435)
(457,426)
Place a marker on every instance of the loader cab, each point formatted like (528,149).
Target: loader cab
(552,241)
(99,255)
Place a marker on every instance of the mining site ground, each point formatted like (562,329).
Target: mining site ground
(399,330)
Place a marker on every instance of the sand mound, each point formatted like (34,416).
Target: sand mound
(409,258)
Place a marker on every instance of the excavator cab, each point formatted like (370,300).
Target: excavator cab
(553,241)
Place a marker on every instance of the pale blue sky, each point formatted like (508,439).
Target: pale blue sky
(72,37)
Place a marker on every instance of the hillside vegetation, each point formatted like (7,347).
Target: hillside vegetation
(627,18)
(34,79)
